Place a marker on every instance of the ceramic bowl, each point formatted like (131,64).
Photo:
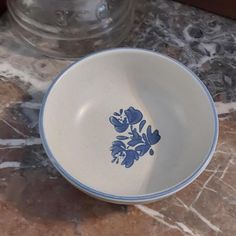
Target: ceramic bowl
(128,125)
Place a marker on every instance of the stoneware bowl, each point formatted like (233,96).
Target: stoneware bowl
(128,125)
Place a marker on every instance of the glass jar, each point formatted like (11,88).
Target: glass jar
(71,28)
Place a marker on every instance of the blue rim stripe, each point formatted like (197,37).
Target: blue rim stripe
(140,198)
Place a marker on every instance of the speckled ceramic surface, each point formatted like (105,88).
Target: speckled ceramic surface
(35,199)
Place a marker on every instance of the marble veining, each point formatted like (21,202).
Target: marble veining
(35,200)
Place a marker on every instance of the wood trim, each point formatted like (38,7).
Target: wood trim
(2,6)
(222,7)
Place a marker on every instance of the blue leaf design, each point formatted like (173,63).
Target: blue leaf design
(119,144)
(134,142)
(134,116)
(145,138)
(127,162)
(120,137)
(120,126)
(142,149)
(142,123)
(116,114)
(129,159)
(135,139)
(154,137)
(116,150)
(114,121)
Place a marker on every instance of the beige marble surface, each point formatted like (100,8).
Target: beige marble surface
(35,200)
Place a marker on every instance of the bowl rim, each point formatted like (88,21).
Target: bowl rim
(134,198)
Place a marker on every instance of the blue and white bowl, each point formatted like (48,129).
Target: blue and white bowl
(129,126)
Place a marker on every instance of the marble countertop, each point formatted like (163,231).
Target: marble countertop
(35,200)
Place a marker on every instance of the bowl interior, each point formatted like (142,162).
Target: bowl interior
(79,129)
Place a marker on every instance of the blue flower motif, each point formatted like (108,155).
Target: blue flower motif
(154,137)
(134,116)
(130,157)
(135,139)
(119,124)
(133,144)
(117,148)
(142,149)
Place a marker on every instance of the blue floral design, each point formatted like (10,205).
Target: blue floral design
(134,116)
(119,124)
(133,143)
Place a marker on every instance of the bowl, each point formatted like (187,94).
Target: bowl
(128,125)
